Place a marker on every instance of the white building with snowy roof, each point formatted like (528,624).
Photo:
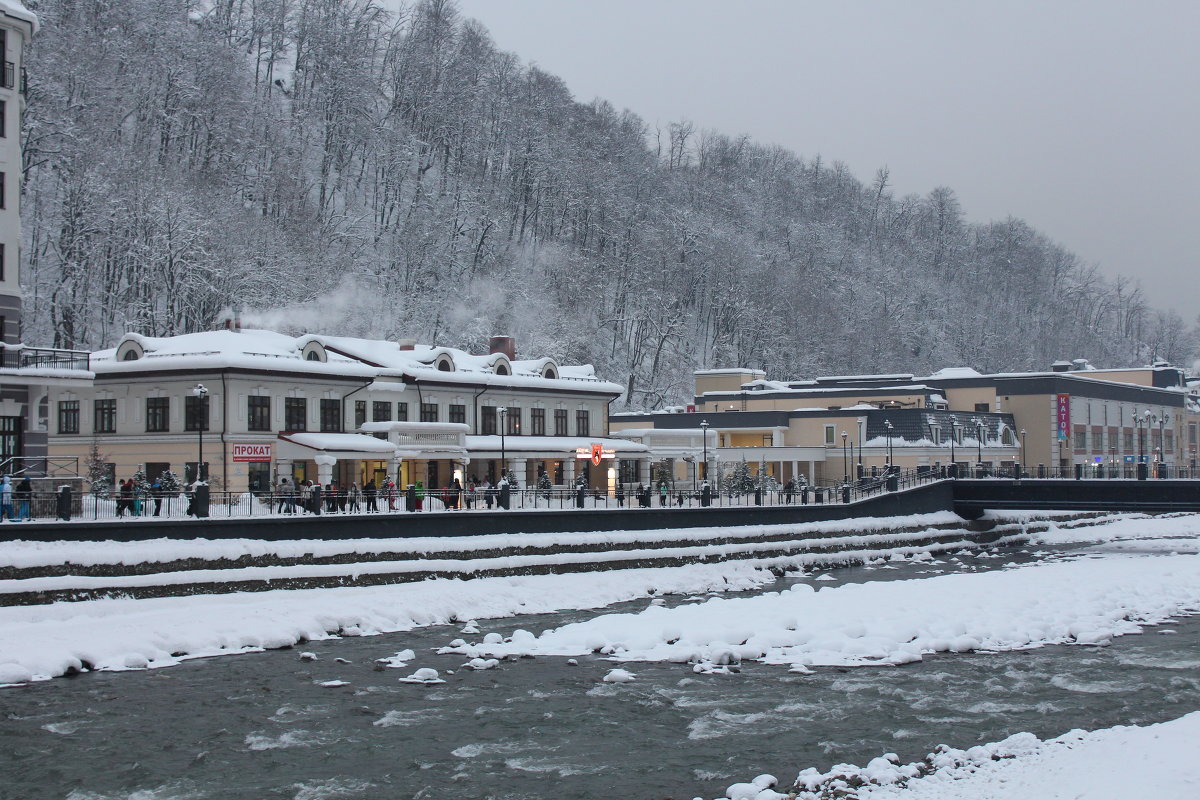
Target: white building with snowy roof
(338,409)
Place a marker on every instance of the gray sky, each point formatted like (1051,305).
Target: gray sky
(1081,117)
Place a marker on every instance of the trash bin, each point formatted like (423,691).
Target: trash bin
(846,493)
(200,501)
(1079,472)
(579,496)
(1041,470)
(410,498)
(1143,470)
(62,502)
(757,496)
(706,495)
(893,482)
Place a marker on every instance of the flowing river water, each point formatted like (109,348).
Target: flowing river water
(261,726)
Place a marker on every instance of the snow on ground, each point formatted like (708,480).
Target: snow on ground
(1111,764)
(1084,601)
(894,621)
(25,554)
(43,641)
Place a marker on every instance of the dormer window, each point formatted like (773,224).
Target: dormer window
(445,364)
(129,350)
(550,373)
(502,369)
(130,355)
(314,351)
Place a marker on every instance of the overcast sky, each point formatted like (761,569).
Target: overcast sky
(1080,116)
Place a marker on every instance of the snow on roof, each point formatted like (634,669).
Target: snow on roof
(560,444)
(956,372)
(349,442)
(17,10)
(762,384)
(731,371)
(256,349)
(896,377)
(813,390)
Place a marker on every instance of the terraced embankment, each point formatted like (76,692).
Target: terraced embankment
(35,573)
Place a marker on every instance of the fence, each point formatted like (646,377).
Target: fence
(43,505)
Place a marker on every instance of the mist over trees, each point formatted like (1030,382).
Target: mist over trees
(332,166)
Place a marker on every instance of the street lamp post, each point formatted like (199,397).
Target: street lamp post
(503,412)
(953,442)
(978,447)
(1143,469)
(845,460)
(704,436)
(200,392)
(887,426)
(1162,444)
(1021,466)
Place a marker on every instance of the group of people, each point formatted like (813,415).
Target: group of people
(15,500)
(132,498)
(310,497)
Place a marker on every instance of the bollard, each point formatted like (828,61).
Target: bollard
(1079,472)
(1041,470)
(505,496)
(410,498)
(846,493)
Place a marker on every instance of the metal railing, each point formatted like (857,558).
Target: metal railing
(182,505)
(1109,471)
(22,357)
(8,79)
(40,467)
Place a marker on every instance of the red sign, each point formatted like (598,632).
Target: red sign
(251,452)
(1064,416)
(597,454)
(691,409)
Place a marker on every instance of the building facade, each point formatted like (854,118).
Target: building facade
(244,408)
(831,428)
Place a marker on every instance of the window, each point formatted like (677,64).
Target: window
(458,413)
(429,412)
(3,119)
(295,414)
(829,434)
(155,469)
(982,407)
(258,413)
(537,422)
(106,416)
(1128,441)
(488,421)
(313,355)
(1,261)
(360,413)
(3,180)
(331,416)
(560,422)
(381,411)
(68,416)
(513,421)
(158,411)
(583,423)
(402,412)
(195,413)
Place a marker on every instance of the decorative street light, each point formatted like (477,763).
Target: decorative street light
(953,441)
(1021,466)
(1162,444)
(704,436)
(887,426)
(978,446)
(201,394)
(503,412)
(845,460)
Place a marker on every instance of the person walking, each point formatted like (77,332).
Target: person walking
(456,491)
(23,494)
(389,492)
(369,492)
(353,498)
(620,495)
(469,496)
(6,500)
(420,496)
(156,491)
(662,494)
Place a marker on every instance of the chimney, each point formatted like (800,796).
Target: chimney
(237,318)
(503,344)
(407,344)
(1060,366)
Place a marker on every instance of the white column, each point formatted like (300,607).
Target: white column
(520,468)
(324,468)
(569,470)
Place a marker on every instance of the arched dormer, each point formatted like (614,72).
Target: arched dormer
(314,351)
(130,350)
(444,363)
(501,365)
(550,370)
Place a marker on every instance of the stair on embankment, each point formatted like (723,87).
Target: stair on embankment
(74,571)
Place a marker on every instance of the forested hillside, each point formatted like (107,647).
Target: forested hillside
(335,167)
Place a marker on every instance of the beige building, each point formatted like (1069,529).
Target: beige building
(254,406)
(832,427)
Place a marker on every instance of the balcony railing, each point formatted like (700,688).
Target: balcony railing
(8,79)
(22,357)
